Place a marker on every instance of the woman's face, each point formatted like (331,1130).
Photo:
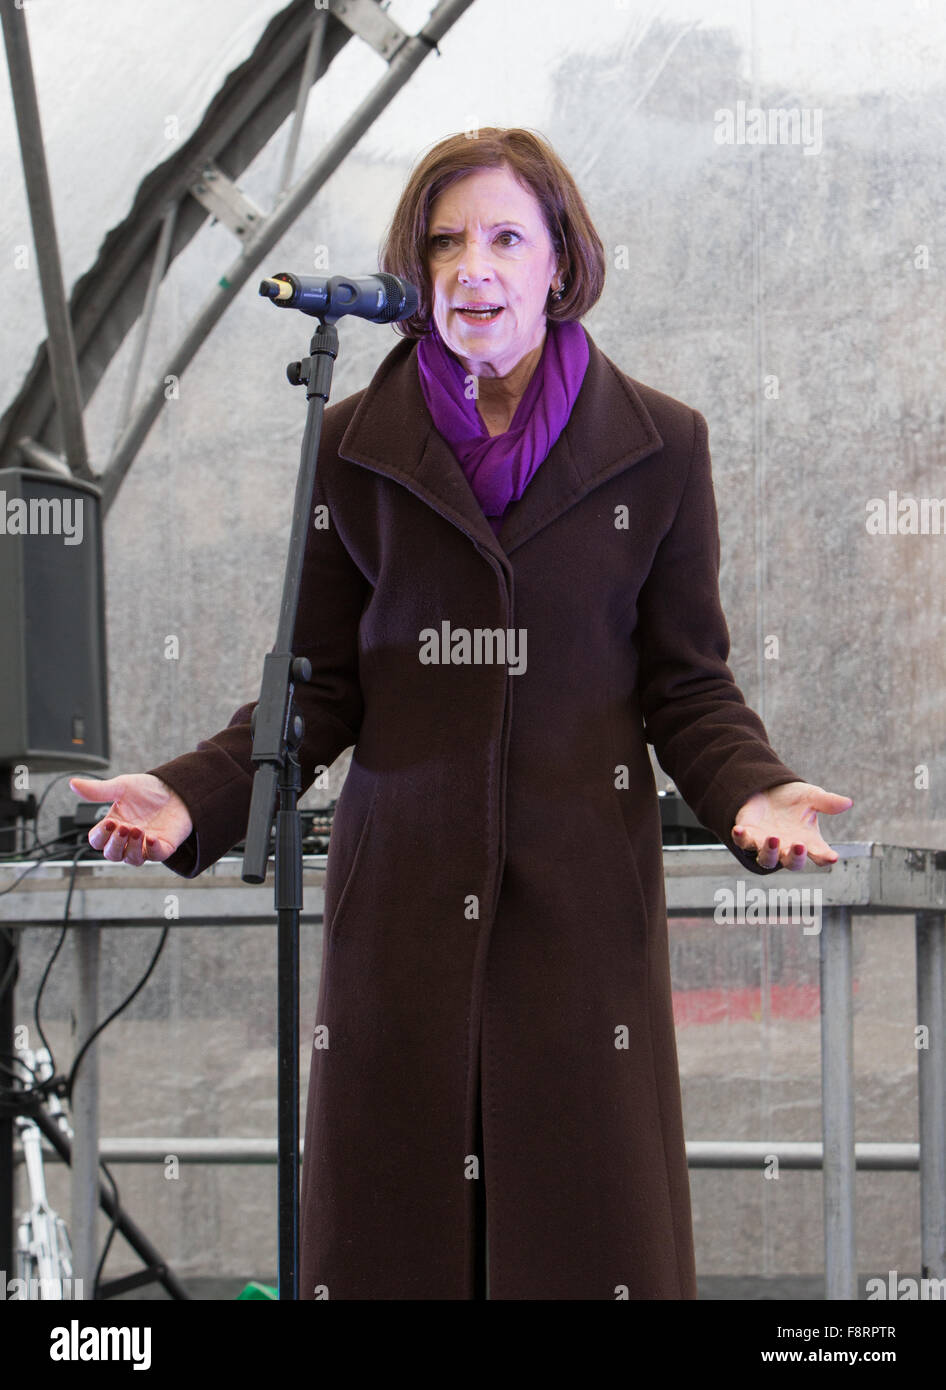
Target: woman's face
(489,248)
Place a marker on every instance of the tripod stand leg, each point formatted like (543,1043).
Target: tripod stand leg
(7,954)
(7,976)
(85,1108)
(132,1233)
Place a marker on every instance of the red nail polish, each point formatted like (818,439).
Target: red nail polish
(772,842)
(134,834)
(110,826)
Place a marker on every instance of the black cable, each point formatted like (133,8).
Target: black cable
(15,1057)
(39,994)
(116,1213)
(34,819)
(79,854)
(53,1081)
(12,972)
(27,858)
(6,1091)
(54,848)
(16,883)
(116,1195)
(116,1011)
(70,1083)
(39,804)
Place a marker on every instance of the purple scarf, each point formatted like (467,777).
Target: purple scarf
(498,467)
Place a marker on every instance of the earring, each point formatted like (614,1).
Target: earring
(560,292)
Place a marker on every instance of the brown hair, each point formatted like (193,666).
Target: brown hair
(535,164)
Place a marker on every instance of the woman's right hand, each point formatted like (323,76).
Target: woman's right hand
(146,819)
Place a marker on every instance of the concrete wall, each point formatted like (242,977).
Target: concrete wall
(792,292)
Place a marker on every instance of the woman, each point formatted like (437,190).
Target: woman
(517,591)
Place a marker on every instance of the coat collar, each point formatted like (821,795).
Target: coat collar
(392,433)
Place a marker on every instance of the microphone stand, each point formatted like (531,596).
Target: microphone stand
(277,735)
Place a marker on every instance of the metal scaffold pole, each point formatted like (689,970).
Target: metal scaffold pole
(60,345)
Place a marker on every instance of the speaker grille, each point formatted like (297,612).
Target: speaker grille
(53,707)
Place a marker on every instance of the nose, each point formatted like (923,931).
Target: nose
(474,266)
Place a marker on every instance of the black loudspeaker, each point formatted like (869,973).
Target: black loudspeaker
(53,690)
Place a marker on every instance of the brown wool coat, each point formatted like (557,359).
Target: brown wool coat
(494,901)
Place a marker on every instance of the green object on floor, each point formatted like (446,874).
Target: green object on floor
(254,1290)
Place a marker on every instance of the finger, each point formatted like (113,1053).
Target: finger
(819,850)
(797,856)
(823,856)
(832,803)
(768,855)
(116,845)
(744,840)
(154,850)
(133,849)
(95,789)
(101,833)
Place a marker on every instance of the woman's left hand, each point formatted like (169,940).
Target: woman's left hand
(781,825)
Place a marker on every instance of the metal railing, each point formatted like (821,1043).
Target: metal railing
(868,878)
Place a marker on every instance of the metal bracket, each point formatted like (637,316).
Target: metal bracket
(227,203)
(368,21)
(40,456)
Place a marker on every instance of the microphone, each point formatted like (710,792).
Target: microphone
(378,298)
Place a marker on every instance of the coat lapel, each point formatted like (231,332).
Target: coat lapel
(392,433)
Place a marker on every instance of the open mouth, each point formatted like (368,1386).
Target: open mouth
(481,314)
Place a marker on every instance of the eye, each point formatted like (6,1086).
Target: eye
(514,235)
(437,242)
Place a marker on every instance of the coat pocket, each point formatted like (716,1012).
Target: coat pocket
(336,908)
(630,852)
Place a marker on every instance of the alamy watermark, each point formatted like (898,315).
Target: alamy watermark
(42,516)
(78,1343)
(777,906)
(894,515)
(904,1290)
(23,1290)
(478,646)
(751,125)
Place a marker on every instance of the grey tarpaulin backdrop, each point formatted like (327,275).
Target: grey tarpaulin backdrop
(782,290)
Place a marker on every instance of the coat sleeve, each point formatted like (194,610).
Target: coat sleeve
(215,781)
(705,737)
